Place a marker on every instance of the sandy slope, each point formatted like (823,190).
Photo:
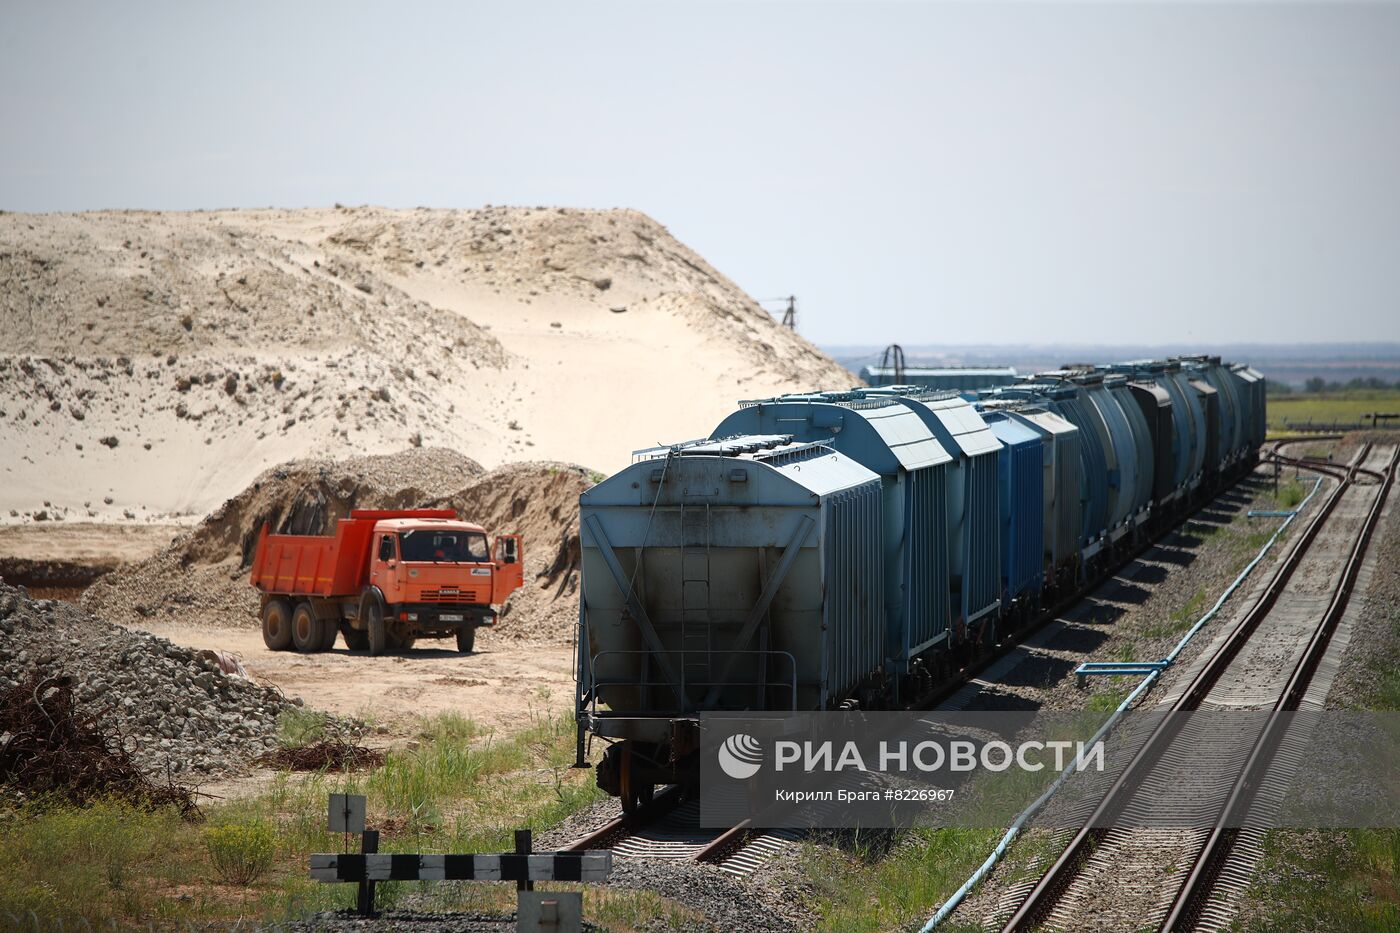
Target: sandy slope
(153,364)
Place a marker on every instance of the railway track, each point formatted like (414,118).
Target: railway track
(1185,879)
(669,828)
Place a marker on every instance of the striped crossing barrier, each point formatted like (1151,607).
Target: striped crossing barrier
(558,912)
(589,866)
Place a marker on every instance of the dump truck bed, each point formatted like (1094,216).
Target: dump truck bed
(324,565)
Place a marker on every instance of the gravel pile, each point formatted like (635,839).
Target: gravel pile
(176,711)
(725,902)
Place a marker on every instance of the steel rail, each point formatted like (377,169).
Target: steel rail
(1053,883)
(1336,470)
(722,845)
(1191,897)
(664,802)
(616,831)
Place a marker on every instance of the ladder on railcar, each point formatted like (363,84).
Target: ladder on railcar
(695,591)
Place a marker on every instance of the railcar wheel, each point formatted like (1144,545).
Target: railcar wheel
(630,798)
(306,629)
(277,625)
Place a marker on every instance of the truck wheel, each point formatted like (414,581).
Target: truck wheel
(355,639)
(306,629)
(376,634)
(328,633)
(277,625)
(466,639)
(400,640)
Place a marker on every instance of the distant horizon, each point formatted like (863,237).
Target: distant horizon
(1390,346)
(1291,364)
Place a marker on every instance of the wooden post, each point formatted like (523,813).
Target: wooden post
(523,846)
(369,845)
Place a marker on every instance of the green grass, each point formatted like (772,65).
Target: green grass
(859,891)
(1329,406)
(462,789)
(1183,617)
(1347,882)
(297,726)
(1107,701)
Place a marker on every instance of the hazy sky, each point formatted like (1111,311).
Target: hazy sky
(927,173)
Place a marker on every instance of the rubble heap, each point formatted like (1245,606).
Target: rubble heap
(175,712)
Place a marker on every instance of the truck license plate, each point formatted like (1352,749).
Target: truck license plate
(451,617)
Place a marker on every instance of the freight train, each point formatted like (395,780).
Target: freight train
(860,549)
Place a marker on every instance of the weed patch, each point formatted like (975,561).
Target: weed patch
(461,790)
(240,853)
(1181,618)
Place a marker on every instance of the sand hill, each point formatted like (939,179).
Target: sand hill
(155,363)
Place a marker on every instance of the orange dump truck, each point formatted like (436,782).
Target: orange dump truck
(383,580)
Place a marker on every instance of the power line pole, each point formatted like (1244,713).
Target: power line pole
(790,315)
(893,358)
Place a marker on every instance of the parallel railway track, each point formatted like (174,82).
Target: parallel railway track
(1169,878)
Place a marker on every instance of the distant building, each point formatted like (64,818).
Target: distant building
(952,378)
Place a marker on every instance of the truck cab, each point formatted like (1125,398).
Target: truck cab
(434,561)
(439,577)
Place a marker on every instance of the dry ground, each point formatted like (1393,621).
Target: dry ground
(497,686)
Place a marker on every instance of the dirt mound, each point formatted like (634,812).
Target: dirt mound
(306,497)
(156,363)
(174,711)
(202,577)
(540,502)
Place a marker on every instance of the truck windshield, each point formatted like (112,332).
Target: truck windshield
(428,545)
